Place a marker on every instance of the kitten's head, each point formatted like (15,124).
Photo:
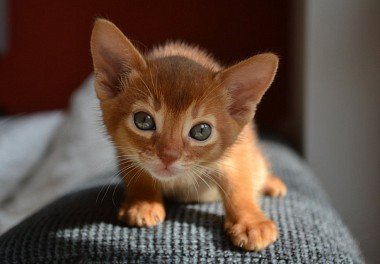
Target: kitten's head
(171,115)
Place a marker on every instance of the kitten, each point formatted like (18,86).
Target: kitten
(182,127)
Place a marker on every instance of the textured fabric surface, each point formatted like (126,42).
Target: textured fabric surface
(82,227)
(54,161)
(24,140)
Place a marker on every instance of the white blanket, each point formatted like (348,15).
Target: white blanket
(43,156)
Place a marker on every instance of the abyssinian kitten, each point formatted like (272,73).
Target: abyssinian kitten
(182,128)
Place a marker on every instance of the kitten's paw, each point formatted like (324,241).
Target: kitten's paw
(274,187)
(252,236)
(142,213)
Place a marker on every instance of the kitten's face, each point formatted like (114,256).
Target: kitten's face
(169,114)
(171,118)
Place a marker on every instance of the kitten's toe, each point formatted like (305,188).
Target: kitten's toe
(142,213)
(253,236)
(274,187)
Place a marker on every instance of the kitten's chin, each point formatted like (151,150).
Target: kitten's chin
(164,174)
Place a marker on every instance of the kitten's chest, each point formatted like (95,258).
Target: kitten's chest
(192,189)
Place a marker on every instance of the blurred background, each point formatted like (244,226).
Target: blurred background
(325,101)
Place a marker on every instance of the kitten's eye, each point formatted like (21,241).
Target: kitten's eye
(200,132)
(144,121)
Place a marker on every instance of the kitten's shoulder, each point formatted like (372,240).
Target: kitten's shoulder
(179,48)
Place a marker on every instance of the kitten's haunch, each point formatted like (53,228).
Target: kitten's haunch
(182,128)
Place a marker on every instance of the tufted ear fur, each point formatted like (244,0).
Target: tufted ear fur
(113,56)
(246,83)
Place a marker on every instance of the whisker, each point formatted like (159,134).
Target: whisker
(199,174)
(123,172)
(195,187)
(117,174)
(214,180)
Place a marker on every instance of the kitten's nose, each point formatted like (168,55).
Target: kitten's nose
(168,156)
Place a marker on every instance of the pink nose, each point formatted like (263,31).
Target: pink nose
(168,156)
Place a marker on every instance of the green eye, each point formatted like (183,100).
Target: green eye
(200,132)
(144,121)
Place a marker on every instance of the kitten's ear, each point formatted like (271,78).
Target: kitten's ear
(113,55)
(246,83)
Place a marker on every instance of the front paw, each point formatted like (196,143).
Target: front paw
(142,213)
(274,187)
(253,236)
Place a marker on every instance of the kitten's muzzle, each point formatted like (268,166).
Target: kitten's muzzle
(169,156)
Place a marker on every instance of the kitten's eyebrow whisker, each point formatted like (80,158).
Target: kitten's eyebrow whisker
(210,91)
(151,79)
(147,87)
(139,91)
(213,98)
(124,83)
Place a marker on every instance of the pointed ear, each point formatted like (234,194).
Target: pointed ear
(246,83)
(113,55)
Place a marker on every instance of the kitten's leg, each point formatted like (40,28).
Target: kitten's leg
(274,187)
(245,222)
(143,204)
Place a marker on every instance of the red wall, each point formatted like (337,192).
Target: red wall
(49,55)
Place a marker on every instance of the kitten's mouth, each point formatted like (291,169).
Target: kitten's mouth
(164,173)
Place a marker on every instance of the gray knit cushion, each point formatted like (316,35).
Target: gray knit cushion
(81,227)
